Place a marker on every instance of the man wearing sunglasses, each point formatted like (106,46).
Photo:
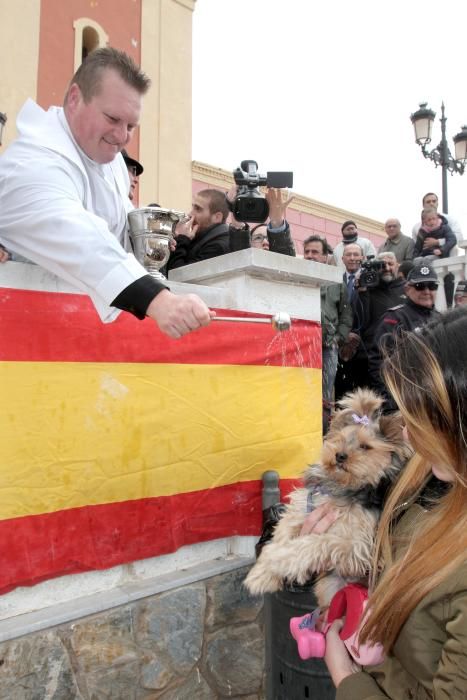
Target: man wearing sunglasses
(417,310)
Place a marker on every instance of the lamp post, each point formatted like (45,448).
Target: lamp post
(3,120)
(422,121)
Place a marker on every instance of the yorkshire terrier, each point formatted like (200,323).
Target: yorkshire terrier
(361,456)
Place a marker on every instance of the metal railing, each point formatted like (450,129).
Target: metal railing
(457,265)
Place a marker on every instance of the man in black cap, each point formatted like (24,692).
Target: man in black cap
(350,235)
(135,169)
(416,311)
(460,295)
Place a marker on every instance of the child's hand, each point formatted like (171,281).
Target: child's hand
(437,251)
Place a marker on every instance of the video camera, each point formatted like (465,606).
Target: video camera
(250,204)
(371,270)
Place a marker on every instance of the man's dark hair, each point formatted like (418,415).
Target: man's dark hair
(405,267)
(428,194)
(88,77)
(217,201)
(314,238)
(347,223)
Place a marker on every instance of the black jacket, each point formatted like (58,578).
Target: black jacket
(221,239)
(443,233)
(370,305)
(210,243)
(405,317)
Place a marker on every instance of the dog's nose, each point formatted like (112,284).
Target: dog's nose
(341,456)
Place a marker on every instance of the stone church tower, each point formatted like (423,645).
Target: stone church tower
(42,42)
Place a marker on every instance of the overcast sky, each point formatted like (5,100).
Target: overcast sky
(326,89)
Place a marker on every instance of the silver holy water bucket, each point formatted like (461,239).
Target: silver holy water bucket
(151,230)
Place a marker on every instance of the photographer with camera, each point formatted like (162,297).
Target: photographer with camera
(206,234)
(278,237)
(378,289)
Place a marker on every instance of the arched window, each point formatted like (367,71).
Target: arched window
(89,36)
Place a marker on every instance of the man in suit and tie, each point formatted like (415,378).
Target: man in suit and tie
(352,259)
(348,365)
(369,303)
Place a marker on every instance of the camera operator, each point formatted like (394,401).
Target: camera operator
(279,239)
(206,234)
(378,289)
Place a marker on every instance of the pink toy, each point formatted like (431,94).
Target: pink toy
(350,602)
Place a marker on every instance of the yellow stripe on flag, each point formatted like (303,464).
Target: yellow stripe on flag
(76,434)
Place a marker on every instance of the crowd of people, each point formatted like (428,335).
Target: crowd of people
(357,318)
(65,192)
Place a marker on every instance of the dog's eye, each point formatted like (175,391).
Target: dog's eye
(365,447)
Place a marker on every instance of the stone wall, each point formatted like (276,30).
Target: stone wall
(198,642)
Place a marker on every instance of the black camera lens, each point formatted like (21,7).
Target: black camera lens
(250,208)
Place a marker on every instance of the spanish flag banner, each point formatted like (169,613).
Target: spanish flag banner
(119,444)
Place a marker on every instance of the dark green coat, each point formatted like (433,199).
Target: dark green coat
(336,314)
(429,659)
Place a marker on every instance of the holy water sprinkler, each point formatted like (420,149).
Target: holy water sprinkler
(280,321)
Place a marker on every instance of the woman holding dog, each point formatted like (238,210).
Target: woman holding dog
(419,599)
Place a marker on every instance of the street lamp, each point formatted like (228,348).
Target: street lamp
(3,119)
(422,121)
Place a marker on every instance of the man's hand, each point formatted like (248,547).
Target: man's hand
(186,228)
(177,315)
(4,254)
(278,201)
(349,346)
(429,243)
(230,197)
(338,660)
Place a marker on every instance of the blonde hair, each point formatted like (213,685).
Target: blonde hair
(427,375)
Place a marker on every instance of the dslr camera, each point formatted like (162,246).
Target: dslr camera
(371,270)
(250,204)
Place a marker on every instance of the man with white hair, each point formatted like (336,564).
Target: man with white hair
(370,303)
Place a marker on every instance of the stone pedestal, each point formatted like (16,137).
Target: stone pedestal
(259,281)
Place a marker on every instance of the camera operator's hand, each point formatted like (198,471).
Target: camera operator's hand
(232,194)
(356,283)
(278,201)
(185,228)
(4,254)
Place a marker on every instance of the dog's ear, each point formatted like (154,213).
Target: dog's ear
(391,426)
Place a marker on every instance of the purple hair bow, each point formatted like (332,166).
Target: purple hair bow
(364,420)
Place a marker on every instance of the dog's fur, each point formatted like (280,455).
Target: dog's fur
(362,454)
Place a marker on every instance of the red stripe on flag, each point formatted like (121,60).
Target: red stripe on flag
(50,326)
(39,547)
